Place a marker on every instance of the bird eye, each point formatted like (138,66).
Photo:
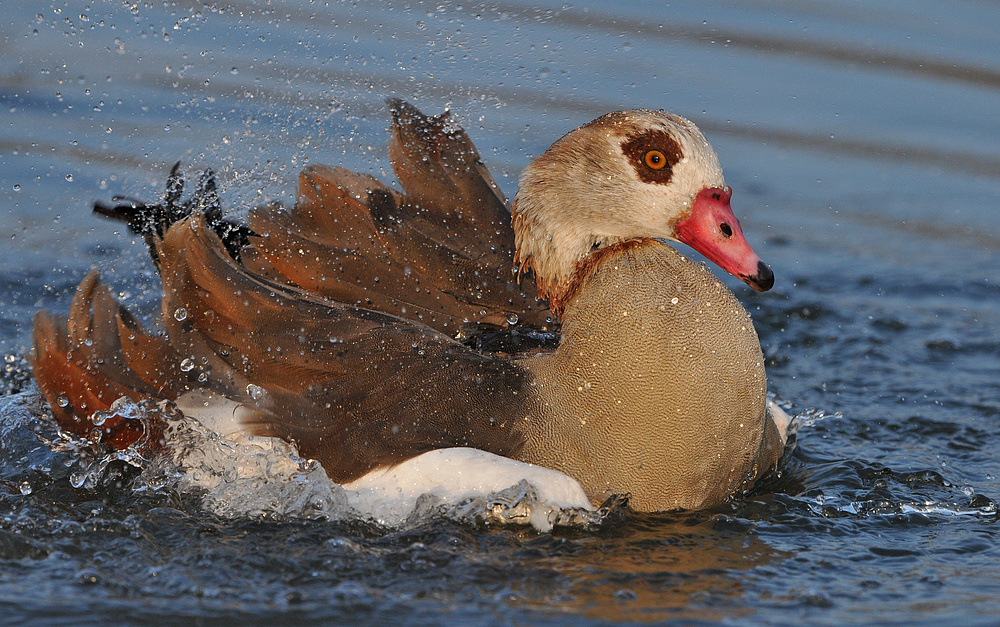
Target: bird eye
(655,159)
(726,229)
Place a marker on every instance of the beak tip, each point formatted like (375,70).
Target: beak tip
(763,280)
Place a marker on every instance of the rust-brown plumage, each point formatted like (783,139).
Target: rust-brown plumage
(441,253)
(329,375)
(81,367)
(314,327)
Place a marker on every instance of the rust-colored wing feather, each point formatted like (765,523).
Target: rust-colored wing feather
(333,325)
(440,253)
(81,368)
(354,388)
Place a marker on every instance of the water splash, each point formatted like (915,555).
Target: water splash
(835,506)
(238,476)
(137,454)
(244,476)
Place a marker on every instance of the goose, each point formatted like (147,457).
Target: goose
(372,327)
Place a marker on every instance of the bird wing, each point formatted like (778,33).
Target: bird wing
(440,252)
(354,388)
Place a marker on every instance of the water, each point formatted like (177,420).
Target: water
(861,140)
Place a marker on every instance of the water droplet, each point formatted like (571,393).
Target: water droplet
(674,300)
(187,365)
(25,488)
(256,392)
(180,314)
(203,377)
(126,408)
(512,319)
(17,187)
(62,401)
(69,178)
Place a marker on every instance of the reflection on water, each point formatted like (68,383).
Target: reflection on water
(860,140)
(657,568)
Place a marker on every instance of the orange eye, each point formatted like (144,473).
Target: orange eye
(655,159)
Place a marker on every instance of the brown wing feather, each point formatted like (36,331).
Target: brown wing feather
(448,187)
(335,377)
(354,388)
(151,358)
(356,272)
(65,384)
(93,334)
(405,399)
(441,254)
(80,368)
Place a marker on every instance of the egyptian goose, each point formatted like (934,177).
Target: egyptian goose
(362,324)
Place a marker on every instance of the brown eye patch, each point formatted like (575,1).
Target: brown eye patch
(653,154)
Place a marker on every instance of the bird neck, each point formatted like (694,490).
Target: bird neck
(557,252)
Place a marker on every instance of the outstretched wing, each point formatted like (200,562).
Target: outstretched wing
(354,388)
(440,252)
(333,324)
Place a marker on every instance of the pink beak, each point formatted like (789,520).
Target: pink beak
(714,231)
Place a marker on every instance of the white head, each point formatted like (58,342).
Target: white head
(627,175)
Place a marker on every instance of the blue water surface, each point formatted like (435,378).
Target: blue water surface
(863,144)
